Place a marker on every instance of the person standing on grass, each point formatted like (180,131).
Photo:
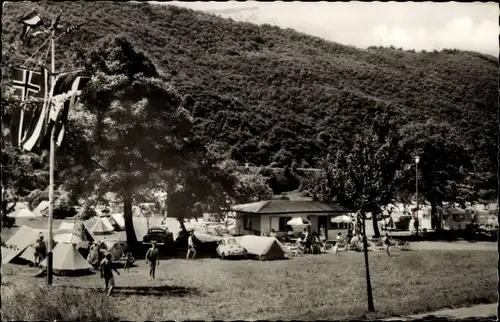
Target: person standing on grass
(191,246)
(128,259)
(322,234)
(336,247)
(153,258)
(107,273)
(387,243)
(40,250)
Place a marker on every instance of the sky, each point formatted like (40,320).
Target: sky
(409,25)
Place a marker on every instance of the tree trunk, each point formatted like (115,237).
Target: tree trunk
(371,307)
(181,222)
(376,230)
(128,218)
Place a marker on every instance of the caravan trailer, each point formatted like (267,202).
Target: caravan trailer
(455,218)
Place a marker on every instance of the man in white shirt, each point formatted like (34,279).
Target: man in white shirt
(387,243)
(336,247)
(273,233)
(191,246)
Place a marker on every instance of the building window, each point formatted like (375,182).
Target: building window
(247,222)
(282,225)
(338,225)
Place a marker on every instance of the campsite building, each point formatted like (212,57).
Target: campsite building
(258,218)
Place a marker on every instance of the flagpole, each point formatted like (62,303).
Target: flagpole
(51,169)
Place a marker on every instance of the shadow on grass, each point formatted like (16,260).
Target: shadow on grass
(154,290)
(43,273)
(449,318)
(450,236)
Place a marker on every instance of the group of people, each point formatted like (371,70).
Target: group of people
(106,266)
(308,241)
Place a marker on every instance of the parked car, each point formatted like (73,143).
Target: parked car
(229,247)
(158,234)
(403,223)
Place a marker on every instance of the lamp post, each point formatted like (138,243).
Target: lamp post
(417,160)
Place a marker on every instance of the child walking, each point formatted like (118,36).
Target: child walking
(128,259)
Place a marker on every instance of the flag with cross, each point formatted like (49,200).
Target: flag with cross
(26,83)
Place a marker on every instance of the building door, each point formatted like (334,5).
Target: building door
(275,224)
(323,221)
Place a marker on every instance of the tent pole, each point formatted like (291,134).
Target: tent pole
(51,171)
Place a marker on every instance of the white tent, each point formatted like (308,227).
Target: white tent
(17,207)
(17,245)
(73,232)
(102,227)
(24,213)
(42,209)
(67,260)
(120,221)
(263,247)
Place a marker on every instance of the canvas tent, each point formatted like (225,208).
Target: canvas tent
(25,212)
(73,232)
(102,227)
(42,209)
(110,222)
(265,248)
(17,208)
(18,245)
(29,253)
(119,220)
(68,261)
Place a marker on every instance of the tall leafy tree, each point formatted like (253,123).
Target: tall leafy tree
(249,185)
(445,167)
(362,178)
(138,128)
(21,172)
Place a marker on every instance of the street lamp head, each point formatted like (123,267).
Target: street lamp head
(417,159)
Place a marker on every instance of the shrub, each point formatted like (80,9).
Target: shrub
(40,303)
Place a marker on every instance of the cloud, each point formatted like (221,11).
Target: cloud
(459,32)
(409,25)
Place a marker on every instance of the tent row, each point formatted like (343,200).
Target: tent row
(70,237)
(21,210)
(70,243)
(20,248)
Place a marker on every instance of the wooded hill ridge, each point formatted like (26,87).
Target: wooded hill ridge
(271,96)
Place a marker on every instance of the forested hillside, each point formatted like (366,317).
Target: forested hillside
(266,95)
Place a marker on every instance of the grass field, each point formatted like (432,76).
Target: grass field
(306,288)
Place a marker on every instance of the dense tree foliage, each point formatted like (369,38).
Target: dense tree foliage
(21,173)
(274,96)
(136,134)
(445,167)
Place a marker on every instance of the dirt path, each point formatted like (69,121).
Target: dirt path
(456,245)
(483,311)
